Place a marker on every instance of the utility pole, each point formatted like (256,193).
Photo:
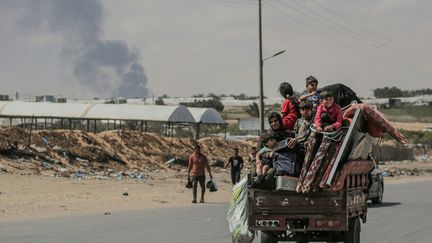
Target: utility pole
(261,63)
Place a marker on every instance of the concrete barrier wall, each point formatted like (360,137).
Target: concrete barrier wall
(388,152)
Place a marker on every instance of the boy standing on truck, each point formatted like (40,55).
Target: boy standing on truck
(329,114)
(196,172)
(311,94)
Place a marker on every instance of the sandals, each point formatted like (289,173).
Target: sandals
(194,201)
(202,200)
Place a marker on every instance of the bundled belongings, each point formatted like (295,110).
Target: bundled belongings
(343,95)
(377,124)
(320,156)
(324,157)
(237,214)
(284,163)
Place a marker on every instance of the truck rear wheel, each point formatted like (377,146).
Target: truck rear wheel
(268,237)
(353,233)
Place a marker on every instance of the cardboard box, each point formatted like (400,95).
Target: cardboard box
(286,183)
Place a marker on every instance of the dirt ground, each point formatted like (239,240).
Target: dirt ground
(32,197)
(411,126)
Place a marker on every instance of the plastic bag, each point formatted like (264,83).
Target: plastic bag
(188,184)
(237,214)
(211,185)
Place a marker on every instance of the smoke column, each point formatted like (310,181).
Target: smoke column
(103,66)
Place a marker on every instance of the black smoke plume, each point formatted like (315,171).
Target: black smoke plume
(103,66)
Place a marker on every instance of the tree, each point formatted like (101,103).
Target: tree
(394,92)
(387,92)
(253,110)
(160,101)
(213,96)
(213,103)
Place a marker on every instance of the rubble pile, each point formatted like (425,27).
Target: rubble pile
(107,154)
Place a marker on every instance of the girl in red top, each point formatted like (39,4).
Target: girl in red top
(329,114)
(289,106)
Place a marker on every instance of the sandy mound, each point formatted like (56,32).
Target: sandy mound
(64,152)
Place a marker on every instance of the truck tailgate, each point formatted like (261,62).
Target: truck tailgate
(266,202)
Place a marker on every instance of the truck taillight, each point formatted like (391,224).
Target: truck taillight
(269,223)
(327,223)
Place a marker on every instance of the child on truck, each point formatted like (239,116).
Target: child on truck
(289,108)
(302,125)
(264,157)
(329,114)
(311,94)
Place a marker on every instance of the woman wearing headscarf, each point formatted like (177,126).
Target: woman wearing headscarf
(279,133)
(276,127)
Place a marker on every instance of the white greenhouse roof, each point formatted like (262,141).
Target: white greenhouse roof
(141,112)
(206,115)
(96,111)
(42,109)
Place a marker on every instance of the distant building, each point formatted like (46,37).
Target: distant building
(395,103)
(45,98)
(4,97)
(120,100)
(252,125)
(61,100)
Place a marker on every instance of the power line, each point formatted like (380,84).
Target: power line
(350,35)
(418,51)
(396,66)
(235,2)
(357,34)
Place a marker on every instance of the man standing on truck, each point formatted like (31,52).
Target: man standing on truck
(236,164)
(196,172)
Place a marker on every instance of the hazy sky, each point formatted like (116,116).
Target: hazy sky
(199,46)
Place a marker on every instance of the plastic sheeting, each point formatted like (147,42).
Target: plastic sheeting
(237,214)
(97,111)
(206,115)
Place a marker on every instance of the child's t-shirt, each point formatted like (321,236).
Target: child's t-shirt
(265,155)
(302,130)
(335,112)
(314,99)
(289,113)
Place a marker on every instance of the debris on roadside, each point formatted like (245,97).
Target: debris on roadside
(109,154)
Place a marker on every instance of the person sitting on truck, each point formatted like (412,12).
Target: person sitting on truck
(276,127)
(302,128)
(329,114)
(311,94)
(289,108)
(264,157)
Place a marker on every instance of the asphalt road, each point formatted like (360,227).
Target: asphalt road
(406,216)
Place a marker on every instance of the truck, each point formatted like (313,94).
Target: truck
(333,214)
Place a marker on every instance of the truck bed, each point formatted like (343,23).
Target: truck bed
(317,211)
